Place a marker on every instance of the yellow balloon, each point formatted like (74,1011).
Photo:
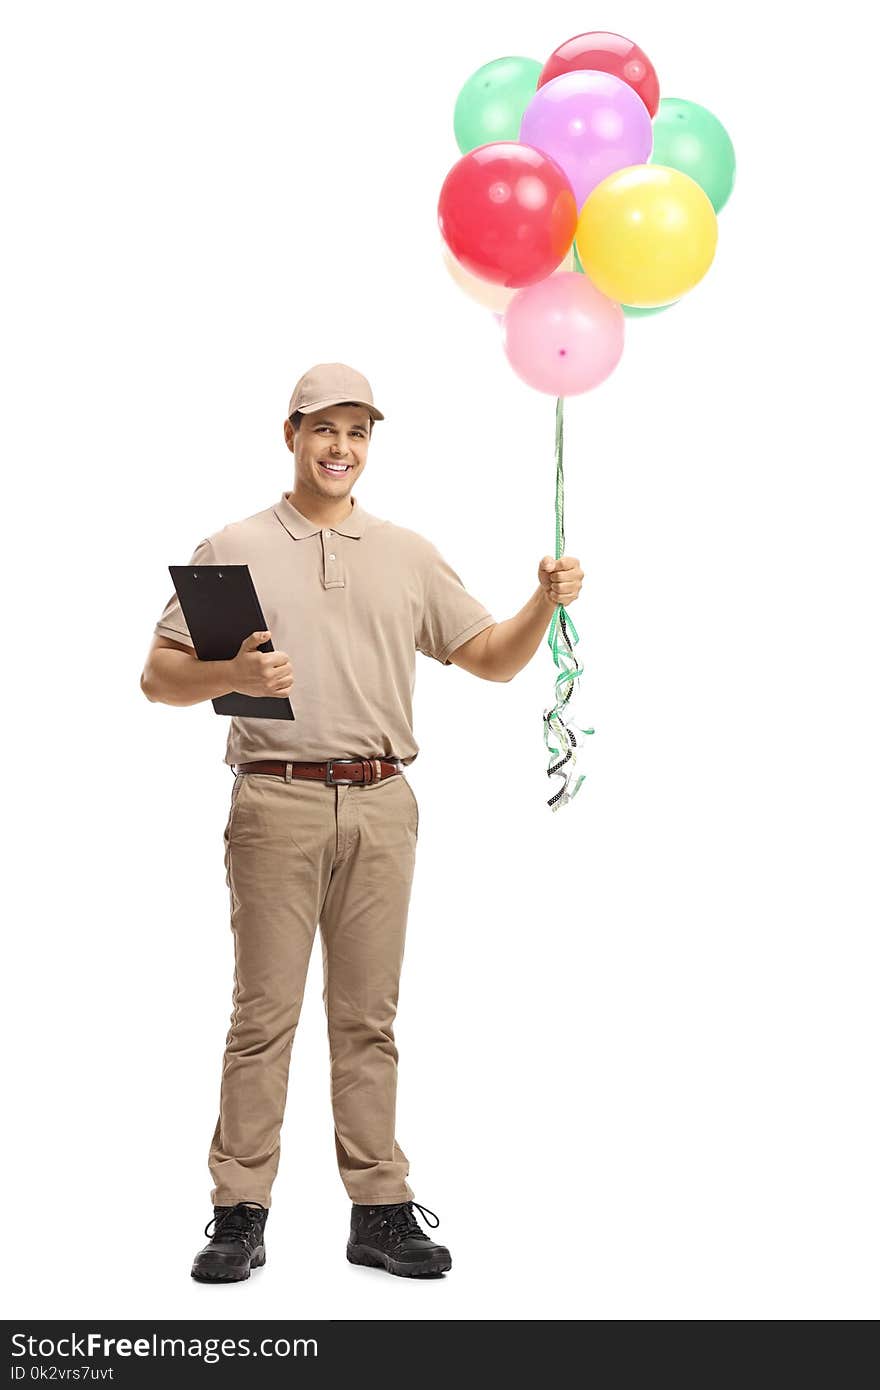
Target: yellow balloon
(646,235)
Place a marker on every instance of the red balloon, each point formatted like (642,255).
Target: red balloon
(606,53)
(507,213)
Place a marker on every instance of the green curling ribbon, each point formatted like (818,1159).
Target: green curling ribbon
(562,640)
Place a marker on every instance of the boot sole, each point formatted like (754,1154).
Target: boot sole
(229,1276)
(377,1259)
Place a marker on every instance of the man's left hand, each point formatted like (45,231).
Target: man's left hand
(561,579)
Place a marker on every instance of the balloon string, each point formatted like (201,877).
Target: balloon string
(562,640)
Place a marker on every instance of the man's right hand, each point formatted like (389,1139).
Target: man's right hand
(261,673)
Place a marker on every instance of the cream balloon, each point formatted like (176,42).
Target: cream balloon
(484,292)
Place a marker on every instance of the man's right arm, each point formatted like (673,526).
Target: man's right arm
(173,675)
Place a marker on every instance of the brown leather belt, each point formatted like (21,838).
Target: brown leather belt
(363,769)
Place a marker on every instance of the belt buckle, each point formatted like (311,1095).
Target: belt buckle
(332,781)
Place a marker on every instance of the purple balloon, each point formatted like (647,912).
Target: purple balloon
(591,123)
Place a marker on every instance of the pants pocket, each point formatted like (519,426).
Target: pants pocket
(412,796)
(240,779)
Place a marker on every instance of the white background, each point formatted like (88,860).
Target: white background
(637,1038)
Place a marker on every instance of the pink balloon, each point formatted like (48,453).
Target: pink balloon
(591,123)
(561,335)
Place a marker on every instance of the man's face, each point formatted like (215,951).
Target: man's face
(339,434)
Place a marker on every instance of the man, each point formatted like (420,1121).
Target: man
(323,824)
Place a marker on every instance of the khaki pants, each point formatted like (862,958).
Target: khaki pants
(300,853)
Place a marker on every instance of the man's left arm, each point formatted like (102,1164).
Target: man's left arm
(499,652)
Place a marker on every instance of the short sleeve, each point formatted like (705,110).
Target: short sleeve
(451,616)
(172,623)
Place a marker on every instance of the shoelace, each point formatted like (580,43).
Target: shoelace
(401,1220)
(240,1220)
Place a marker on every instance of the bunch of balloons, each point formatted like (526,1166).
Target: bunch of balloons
(581,199)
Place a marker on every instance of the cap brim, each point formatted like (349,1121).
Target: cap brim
(342,400)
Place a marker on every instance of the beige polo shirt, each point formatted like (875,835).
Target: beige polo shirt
(351,604)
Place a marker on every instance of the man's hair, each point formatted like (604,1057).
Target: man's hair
(297,416)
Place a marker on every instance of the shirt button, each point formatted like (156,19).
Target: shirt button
(327,535)
(332,557)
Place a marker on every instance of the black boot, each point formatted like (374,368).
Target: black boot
(236,1247)
(389,1237)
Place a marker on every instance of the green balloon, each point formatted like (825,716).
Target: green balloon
(491,103)
(689,138)
(629,310)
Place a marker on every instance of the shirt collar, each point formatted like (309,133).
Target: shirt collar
(300,527)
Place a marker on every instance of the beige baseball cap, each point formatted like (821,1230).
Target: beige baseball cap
(331,383)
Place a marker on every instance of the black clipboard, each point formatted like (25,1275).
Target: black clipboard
(221,608)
